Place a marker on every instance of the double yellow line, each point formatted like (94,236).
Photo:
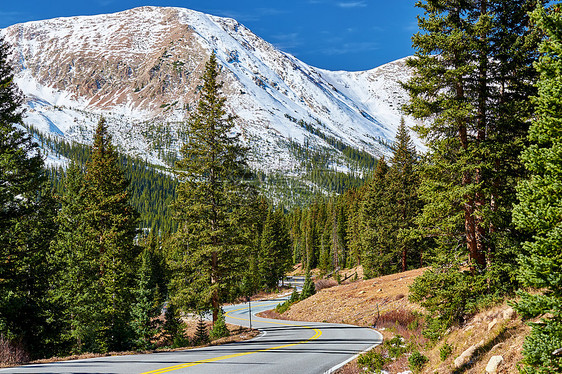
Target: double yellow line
(317,334)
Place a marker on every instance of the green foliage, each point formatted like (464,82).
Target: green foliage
(27,226)
(213,206)
(373,361)
(174,328)
(308,289)
(395,346)
(473,77)
(294,296)
(96,252)
(201,334)
(151,190)
(219,329)
(416,361)
(445,351)
(539,208)
(275,257)
(149,294)
(449,296)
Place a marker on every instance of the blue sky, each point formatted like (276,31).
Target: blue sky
(331,34)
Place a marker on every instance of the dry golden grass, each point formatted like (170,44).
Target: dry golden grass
(357,303)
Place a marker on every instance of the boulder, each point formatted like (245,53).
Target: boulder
(493,364)
(465,357)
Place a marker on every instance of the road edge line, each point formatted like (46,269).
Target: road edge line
(339,366)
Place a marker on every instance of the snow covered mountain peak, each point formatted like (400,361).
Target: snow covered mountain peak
(141,69)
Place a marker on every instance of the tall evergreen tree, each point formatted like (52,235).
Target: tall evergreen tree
(96,249)
(375,227)
(26,222)
(539,209)
(402,186)
(211,201)
(275,251)
(473,77)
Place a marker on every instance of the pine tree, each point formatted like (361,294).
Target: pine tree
(402,192)
(539,207)
(470,60)
(275,251)
(150,294)
(375,233)
(96,249)
(308,289)
(473,78)
(219,330)
(212,205)
(201,334)
(26,222)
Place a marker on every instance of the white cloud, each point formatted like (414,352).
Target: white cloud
(352,4)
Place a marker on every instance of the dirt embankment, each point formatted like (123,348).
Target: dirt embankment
(497,331)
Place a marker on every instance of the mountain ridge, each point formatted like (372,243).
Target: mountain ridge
(140,69)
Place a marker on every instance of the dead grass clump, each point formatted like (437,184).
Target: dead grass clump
(401,317)
(11,352)
(324,283)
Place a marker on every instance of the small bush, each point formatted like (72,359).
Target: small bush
(282,308)
(416,361)
(395,346)
(294,296)
(373,361)
(445,351)
(219,329)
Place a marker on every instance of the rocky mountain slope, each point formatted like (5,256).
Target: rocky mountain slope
(141,69)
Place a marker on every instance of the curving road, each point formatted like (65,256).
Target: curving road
(282,347)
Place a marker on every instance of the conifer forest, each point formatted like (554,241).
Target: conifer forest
(92,253)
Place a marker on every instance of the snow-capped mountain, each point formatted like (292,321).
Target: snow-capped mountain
(141,70)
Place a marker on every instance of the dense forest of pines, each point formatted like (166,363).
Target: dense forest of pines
(90,254)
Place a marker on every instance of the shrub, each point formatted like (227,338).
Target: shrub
(416,361)
(395,346)
(219,329)
(445,351)
(373,361)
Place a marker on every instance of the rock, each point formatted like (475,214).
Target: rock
(493,364)
(465,357)
(361,292)
(492,324)
(380,290)
(509,313)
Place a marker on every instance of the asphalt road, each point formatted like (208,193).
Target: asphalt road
(282,347)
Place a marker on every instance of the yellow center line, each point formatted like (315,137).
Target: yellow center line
(317,334)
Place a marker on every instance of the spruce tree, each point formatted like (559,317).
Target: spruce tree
(26,222)
(275,250)
(96,250)
(402,192)
(212,206)
(472,80)
(150,293)
(375,227)
(539,209)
